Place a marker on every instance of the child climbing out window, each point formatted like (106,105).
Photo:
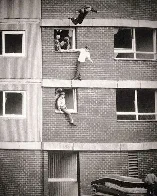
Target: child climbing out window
(64,39)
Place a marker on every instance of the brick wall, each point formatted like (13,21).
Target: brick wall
(96,120)
(95,165)
(21,173)
(58,65)
(139,9)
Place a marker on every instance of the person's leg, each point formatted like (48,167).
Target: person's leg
(71,121)
(78,69)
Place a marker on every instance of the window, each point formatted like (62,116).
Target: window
(12,103)
(135,43)
(70,99)
(63,173)
(136,104)
(64,39)
(12,43)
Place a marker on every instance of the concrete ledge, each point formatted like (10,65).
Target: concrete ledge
(113,84)
(94,83)
(21,145)
(79,146)
(99,146)
(129,84)
(57,146)
(101,22)
(56,83)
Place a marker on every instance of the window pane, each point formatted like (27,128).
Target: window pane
(0,42)
(146,101)
(69,98)
(124,55)
(1,103)
(13,43)
(145,56)
(123,39)
(125,100)
(13,104)
(126,117)
(144,39)
(146,117)
(63,39)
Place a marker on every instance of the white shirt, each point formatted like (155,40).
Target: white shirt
(61,103)
(83,55)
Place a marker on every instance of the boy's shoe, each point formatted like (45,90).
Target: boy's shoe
(73,124)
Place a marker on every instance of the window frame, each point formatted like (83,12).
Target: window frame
(3,43)
(133,50)
(74,101)
(73,38)
(23,115)
(136,113)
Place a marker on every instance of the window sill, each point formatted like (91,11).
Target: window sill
(127,59)
(66,51)
(69,110)
(12,117)
(136,120)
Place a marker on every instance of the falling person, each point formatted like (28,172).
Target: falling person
(82,14)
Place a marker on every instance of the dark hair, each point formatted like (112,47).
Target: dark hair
(86,47)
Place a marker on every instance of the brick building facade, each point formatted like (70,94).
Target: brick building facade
(113,106)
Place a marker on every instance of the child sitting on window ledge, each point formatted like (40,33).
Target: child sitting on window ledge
(61,106)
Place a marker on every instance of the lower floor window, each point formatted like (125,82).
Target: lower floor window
(63,173)
(136,104)
(12,103)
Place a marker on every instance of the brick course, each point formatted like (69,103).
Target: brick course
(139,9)
(21,173)
(100,40)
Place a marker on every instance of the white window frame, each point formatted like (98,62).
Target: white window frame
(74,101)
(23,115)
(73,38)
(136,113)
(133,50)
(3,43)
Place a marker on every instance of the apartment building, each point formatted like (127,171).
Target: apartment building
(113,106)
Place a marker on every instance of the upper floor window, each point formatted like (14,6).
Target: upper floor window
(12,43)
(64,39)
(12,103)
(70,99)
(136,104)
(135,43)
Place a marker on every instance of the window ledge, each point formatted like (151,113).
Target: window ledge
(124,59)
(71,111)
(136,120)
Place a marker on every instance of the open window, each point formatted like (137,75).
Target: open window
(64,39)
(12,43)
(12,103)
(135,43)
(70,99)
(136,104)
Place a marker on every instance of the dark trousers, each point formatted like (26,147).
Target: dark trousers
(151,190)
(78,69)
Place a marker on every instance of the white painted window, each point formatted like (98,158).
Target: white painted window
(12,104)
(135,43)
(64,39)
(70,100)
(12,43)
(137,105)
